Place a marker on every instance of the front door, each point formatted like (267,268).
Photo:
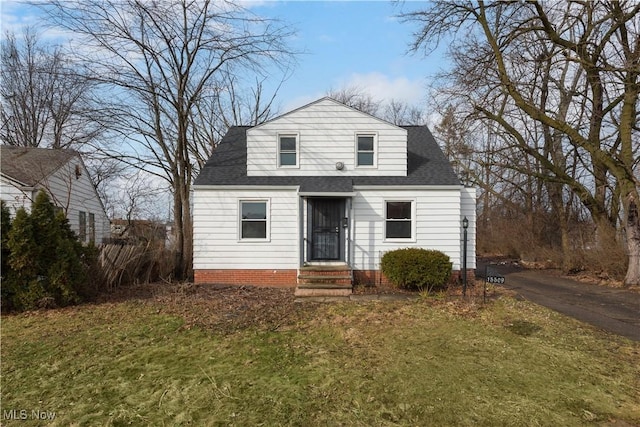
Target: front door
(326,229)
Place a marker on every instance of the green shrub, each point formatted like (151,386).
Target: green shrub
(46,265)
(417,269)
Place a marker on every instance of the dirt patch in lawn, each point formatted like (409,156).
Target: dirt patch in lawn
(227,309)
(219,308)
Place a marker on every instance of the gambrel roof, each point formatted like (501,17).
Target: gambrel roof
(426,165)
(30,165)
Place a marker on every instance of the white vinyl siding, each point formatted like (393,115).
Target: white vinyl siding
(13,196)
(75,193)
(67,190)
(216,243)
(326,131)
(436,226)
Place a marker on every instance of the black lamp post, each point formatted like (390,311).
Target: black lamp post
(465,225)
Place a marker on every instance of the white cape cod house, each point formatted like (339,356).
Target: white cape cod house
(25,171)
(315,197)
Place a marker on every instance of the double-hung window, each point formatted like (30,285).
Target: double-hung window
(399,220)
(365,150)
(92,228)
(254,220)
(82,226)
(288,150)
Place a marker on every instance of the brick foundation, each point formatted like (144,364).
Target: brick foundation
(277,278)
(456,276)
(369,278)
(289,278)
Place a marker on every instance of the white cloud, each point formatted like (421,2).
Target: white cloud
(379,86)
(384,88)
(300,101)
(15,16)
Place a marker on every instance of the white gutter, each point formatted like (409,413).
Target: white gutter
(326,194)
(246,187)
(407,187)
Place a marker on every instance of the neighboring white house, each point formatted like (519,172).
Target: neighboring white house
(316,196)
(63,175)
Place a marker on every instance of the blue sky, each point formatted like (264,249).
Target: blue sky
(353,43)
(346,43)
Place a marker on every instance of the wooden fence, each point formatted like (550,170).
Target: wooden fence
(126,264)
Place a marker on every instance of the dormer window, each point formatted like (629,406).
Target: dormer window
(365,150)
(288,151)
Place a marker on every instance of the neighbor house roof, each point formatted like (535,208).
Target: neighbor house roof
(30,165)
(426,165)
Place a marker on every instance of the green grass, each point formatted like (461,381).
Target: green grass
(354,364)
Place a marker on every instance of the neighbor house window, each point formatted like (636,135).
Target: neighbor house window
(82,226)
(287,150)
(92,228)
(399,220)
(365,150)
(253,219)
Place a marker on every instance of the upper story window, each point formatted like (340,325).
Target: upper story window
(288,150)
(365,150)
(254,219)
(399,222)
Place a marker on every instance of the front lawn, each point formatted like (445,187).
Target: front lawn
(191,358)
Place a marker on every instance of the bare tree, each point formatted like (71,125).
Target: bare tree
(231,104)
(46,99)
(161,59)
(570,70)
(403,114)
(393,110)
(356,97)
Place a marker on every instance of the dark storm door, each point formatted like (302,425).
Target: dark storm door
(326,226)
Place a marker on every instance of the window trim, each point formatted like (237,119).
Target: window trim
(267,237)
(375,150)
(412,220)
(279,151)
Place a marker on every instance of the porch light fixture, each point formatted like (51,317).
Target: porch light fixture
(339,166)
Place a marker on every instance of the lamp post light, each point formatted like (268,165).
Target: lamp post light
(465,225)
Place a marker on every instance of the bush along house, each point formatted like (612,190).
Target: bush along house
(313,199)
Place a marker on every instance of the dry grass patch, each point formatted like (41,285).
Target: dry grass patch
(211,357)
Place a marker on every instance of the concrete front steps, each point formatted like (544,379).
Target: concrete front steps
(325,281)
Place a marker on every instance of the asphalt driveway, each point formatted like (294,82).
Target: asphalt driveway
(613,310)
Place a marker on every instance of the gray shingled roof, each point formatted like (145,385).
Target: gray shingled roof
(30,165)
(427,165)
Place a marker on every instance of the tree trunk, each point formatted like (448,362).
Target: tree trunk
(178,232)
(633,244)
(568,260)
